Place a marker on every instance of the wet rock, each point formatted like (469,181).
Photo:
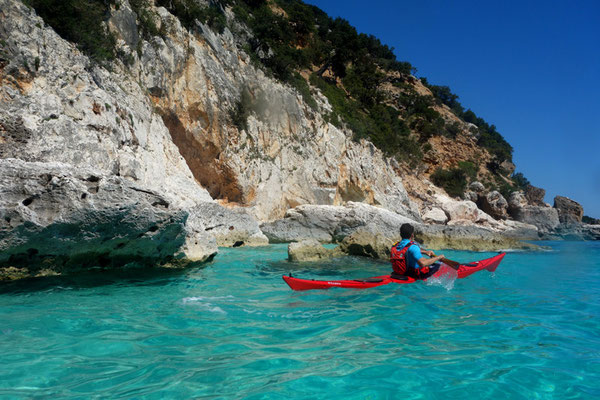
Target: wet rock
(367,242)
(466,238)
(574,232)
(60,218)
(569,211)
(310,250)
(520,230)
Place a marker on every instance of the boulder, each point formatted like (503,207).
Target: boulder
(57,218)
(310,250)
(569,211)
(435,215)
(230,227)
(470,196)
(494,204)
(331,223)
(367,242)
(544,218)
(464,212)
(535,196)
(516,201)
(477,187)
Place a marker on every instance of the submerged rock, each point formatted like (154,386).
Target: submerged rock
(310,250)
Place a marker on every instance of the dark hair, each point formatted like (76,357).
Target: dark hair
(406,231)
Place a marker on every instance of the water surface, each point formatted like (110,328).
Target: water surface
(233,329)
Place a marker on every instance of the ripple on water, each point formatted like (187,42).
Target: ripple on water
(527,331)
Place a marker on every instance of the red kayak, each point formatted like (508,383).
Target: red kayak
(463,271)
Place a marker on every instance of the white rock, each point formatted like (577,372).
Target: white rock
(435,215)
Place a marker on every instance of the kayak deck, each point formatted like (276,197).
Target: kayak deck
(463,271)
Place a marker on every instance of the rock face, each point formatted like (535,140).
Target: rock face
(54,217)
(74,112)
(310,250)
(569,211)
(494,204)
(282,154)
(165,120)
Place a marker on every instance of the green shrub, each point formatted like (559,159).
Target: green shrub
(147,26)
(300,84)
(453,181)
(469,169)
(188,11)
(520,181)
(240,113)
(80,22)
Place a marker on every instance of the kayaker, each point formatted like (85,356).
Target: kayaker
(407,257)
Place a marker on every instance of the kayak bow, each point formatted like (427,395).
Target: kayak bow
(463,271)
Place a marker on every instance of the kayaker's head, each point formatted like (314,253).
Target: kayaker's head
(407,231)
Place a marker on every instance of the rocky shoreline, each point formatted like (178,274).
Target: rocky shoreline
(56,219)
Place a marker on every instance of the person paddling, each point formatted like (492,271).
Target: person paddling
(408,260)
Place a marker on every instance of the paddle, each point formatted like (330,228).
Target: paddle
(450,263)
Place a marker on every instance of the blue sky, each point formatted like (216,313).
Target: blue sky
(532,68)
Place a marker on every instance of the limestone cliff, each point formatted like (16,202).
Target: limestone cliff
(164,120)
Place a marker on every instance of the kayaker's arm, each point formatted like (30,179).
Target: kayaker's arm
(426,262)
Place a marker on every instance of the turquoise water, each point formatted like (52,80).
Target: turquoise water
(234,330)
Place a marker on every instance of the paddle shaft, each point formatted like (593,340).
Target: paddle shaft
(450,263)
